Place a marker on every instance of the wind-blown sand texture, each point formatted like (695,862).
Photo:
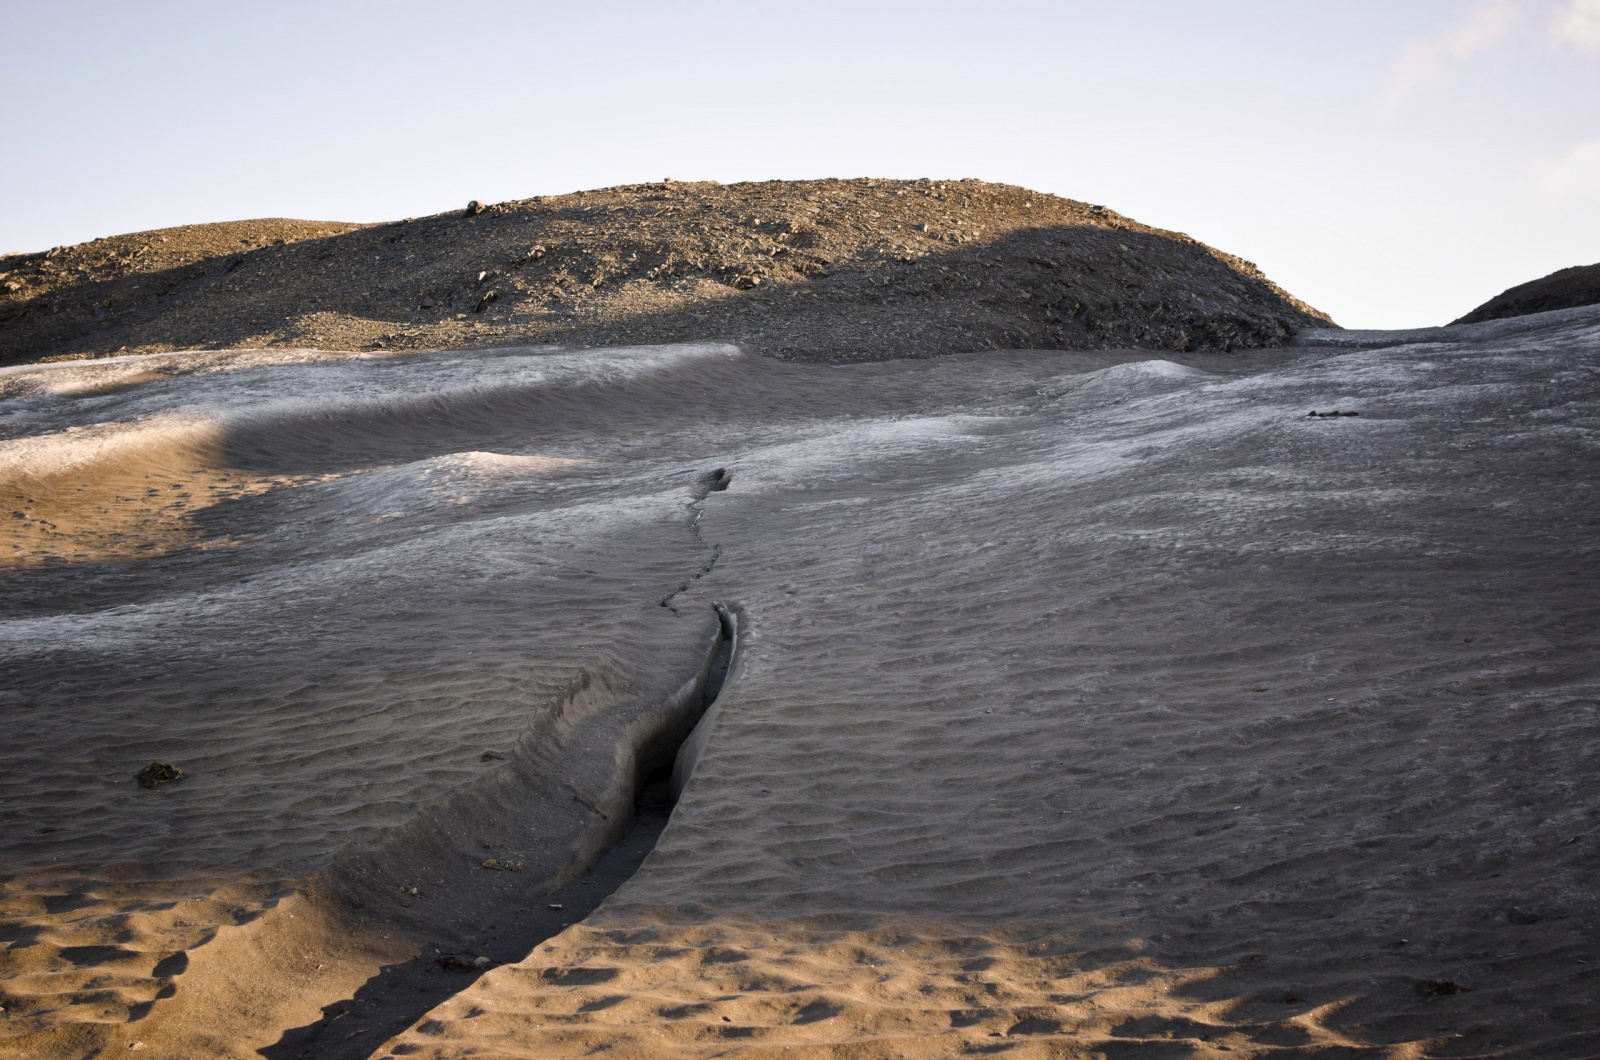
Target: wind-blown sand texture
(819,270)
(1085,704)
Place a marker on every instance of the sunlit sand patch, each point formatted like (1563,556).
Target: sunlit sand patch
(115,491)
(644,987)
(461,477)
(127,492)
(106,381)
(62,960)
(74,378)
(103,375)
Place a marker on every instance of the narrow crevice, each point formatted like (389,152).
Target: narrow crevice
(721,661)
(687,755)
(402,993)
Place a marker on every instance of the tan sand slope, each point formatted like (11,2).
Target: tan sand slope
(819,270)
(114,493)
(1085,704)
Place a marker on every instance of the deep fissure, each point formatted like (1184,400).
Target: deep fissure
(401,994)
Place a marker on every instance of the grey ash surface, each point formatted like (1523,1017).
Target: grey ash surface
(1125,648)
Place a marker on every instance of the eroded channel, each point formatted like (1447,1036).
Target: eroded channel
(402,993)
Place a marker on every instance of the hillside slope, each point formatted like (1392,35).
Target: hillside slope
(1562,289)
(803,270)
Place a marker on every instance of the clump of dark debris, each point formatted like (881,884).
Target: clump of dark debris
(824,270)
(158,773)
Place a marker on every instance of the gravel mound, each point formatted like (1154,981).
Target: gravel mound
(1562,289)
(826,270)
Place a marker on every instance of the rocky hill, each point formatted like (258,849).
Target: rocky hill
(1562,289)
(826,270)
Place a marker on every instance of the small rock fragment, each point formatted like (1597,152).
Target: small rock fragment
(481,963)
(474,208)
(502,865)
(555,905)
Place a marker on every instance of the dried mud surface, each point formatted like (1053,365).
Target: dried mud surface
(825,270)
(1086,703)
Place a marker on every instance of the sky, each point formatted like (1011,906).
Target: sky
(1394,164)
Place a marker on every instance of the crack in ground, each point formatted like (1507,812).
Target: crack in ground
(400,994)
(711,482)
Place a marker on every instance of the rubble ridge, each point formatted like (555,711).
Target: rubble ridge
(811,270)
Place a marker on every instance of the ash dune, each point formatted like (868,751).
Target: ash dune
(1085,702)
(1177,724)
(824,270)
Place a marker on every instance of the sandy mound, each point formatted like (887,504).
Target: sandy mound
(1562,289)
(807,270)
(1085,703)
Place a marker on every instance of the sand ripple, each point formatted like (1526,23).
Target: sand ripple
(1081,707)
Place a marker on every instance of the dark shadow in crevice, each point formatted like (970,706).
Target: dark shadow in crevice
(401,994)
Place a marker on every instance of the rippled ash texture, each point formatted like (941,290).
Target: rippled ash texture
(1085,703)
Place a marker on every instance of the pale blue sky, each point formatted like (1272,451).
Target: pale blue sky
(1392,163)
